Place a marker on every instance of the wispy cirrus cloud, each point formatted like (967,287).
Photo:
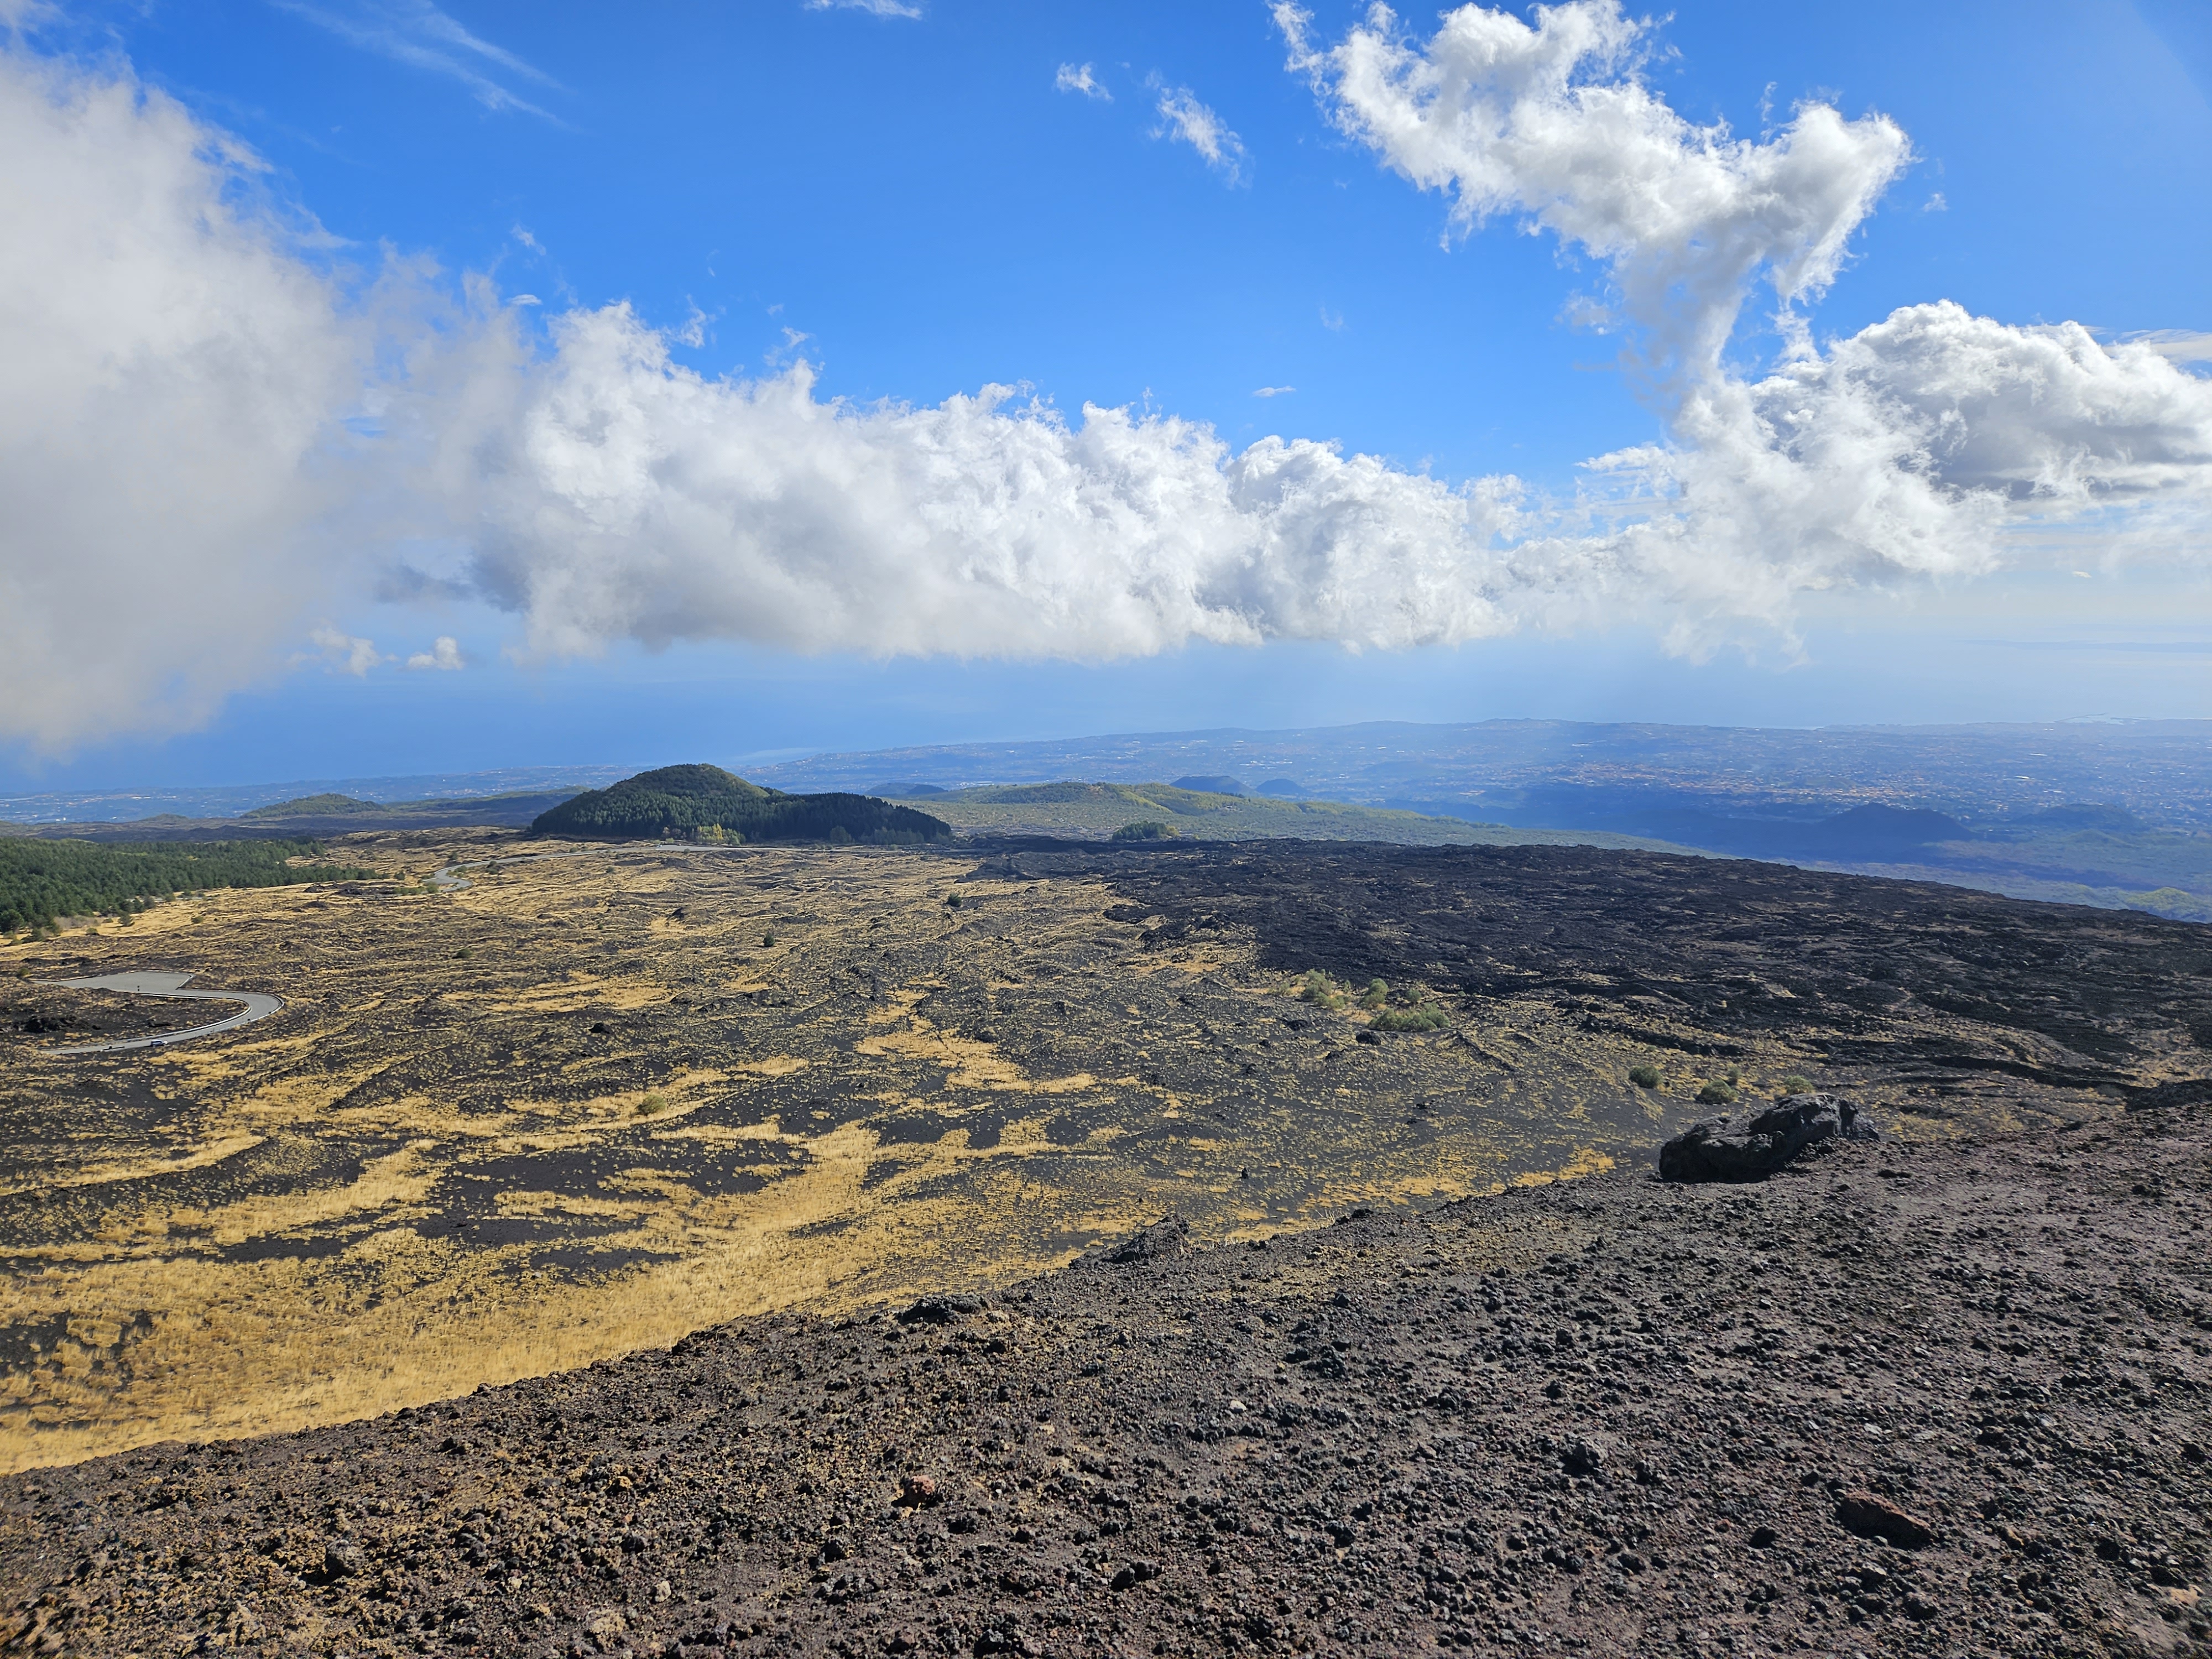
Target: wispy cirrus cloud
(418,34)
(1188,121)
(2176,345)
(1079,78)
(1272,391)
(873,7)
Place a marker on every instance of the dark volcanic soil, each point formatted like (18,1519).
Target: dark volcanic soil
(1607,1415)
(1935,990)
(35,1016)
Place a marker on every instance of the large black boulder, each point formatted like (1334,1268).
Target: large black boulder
(1711,1151)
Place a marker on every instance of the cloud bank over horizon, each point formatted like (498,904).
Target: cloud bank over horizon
(217,433)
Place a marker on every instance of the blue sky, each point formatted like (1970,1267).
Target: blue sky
(913,205)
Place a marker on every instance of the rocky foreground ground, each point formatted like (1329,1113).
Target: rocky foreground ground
(1940,1398)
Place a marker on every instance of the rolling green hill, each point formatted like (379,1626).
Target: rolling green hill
(490,809)
(705,803)
(1093,809)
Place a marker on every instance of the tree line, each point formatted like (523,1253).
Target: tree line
(42,881)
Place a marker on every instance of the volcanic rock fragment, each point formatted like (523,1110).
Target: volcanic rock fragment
(939,1310)
(1582,1457)
(1777,1137)
(1162,1241)
(1872,1517)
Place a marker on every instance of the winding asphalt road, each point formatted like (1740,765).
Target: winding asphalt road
(166,984)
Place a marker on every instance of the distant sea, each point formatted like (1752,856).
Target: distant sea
(225,801)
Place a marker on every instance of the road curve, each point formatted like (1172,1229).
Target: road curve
(167,985)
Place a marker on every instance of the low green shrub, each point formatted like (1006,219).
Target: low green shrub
(1426,1018)
(1146,829)
(1318,988)
(1644,1077)
(1377,994)
(652,1105)
(1717,1093)
(1795,1084)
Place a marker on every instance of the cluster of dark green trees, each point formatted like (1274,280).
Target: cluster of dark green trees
(705,803)
(41,881)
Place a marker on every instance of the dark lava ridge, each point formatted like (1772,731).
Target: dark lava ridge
(1886,980)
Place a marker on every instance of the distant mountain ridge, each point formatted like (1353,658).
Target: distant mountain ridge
(1162,813)
(1565,773)
(310,816)
(209,802)
(2114,813)
(2107,813)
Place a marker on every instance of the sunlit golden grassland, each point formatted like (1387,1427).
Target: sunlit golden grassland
(601,1096)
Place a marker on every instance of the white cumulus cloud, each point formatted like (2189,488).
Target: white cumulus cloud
(343,652)
(175,373)
(1922,447)
(1551,122)
(444,654)
(618,493)
(203,423)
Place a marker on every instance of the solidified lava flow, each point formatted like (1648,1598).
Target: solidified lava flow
(862,1158)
